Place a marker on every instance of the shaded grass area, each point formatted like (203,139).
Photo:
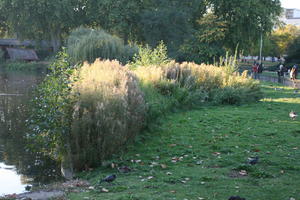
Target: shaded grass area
(200,154)
(24,66)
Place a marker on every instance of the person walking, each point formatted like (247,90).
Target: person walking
(280,73)
(254,70)
(260,69)
(295,71)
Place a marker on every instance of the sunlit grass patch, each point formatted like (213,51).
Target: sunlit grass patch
(195,155)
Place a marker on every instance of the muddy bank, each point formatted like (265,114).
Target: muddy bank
(53,191)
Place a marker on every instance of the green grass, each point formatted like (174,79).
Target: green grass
(211,145)
(23,66)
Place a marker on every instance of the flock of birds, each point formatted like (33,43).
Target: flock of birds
(125,169)
(252,161)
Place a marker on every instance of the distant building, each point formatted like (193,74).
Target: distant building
(18,50)
(291,16)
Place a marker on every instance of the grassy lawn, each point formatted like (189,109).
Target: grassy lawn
(202,154)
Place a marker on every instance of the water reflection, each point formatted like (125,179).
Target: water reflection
(18,165)
(10,181)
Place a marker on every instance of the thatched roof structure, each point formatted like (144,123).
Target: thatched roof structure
(21,54)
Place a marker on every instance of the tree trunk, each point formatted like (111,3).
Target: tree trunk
(55,41)
(67,164)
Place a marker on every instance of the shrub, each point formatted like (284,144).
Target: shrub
(109,110)
(89,44)
(52,110)
(147,56)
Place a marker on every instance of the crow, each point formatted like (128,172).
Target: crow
(236,198)
(253,160)
(293,115)
(109,178)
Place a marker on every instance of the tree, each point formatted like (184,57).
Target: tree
(117,17)
(246,20)
(170,21)
(293,51)
(207,41)
(284,36)
(42,19)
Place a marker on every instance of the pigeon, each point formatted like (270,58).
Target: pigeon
(253,160)
(293,115)
(236,198)
(124,169)
(109,178)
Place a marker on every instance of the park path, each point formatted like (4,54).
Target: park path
(286,81)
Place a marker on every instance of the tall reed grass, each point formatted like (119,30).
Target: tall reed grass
(187,80)
(110,110)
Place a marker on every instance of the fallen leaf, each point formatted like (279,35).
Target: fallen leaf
(169,173)
(216,153)
(172,145)
(199,162)
(173,191)
(164,166)
(243,173)
(150,177)
(104,190)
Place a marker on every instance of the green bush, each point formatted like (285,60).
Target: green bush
(52,108)
(147,56)
(109,111)
(89,44)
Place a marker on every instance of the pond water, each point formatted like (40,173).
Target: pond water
(19,166)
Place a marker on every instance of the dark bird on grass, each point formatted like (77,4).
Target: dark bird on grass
(124,169)
(253,160)
(236,198)
(293,115)
(109,178)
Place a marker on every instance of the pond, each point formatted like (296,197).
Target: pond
(19,165)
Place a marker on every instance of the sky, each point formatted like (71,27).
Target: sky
(290,3)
